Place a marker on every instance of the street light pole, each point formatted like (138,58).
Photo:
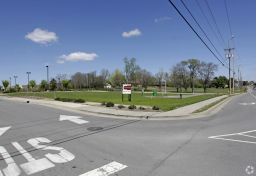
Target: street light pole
(47,75)
(28,73)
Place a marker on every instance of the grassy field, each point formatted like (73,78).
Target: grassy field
(115,97)
(197,90)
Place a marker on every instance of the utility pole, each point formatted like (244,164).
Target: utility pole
(15,78)
(28,73)
(233,75)
(10,82)
(47,75)
(229,55)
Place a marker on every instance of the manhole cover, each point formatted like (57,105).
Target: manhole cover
(94,128)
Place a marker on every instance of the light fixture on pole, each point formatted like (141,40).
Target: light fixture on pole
(28,73)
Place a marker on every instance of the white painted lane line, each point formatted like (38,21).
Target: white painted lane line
(106,170)
(234,140)
(4,129)
(228,137)
(245,104)
(232,134)
(74,119)
(32,166)
(250,136)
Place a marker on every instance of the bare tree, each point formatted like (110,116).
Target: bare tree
(145,78)
(206,73)
(77,80)
(104,75)
(180,76)
(130,70)
(160,76)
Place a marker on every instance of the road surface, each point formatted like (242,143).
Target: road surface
(42,141)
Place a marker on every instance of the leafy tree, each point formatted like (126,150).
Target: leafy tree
(206,72)
(65,84)
(43,85)
(5,84)
(193,65)
(53,84)
(18,87)
(220,82)
(32,84)
(117,78)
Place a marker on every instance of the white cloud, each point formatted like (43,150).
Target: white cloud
(77,56)
(42,36)
(60,61)
(132,33)
(161,19)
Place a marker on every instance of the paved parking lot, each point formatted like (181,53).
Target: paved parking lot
(38,140)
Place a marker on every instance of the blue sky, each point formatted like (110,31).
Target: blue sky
(89,35)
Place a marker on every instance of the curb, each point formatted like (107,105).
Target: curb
(209,112)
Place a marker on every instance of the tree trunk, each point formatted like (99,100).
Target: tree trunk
(204,89)
(192,84)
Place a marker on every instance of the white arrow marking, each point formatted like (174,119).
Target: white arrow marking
(4,129)
(74,119)
(106,170)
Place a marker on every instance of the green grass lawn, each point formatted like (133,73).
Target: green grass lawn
(115,97)
(197,90)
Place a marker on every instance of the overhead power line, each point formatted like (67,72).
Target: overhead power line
(202,30)
(209,24)
(214,20)
(191,27)
(228,17)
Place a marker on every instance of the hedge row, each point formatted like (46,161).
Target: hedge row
(70,100)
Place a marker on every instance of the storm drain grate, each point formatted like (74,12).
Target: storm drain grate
(94,128)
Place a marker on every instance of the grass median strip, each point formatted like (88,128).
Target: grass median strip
(164,104)
(209,106)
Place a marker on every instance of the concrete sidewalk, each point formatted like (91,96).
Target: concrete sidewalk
(184,112)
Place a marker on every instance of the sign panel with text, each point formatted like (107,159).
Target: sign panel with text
(127,89)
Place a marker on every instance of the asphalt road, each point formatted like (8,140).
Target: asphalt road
(35,142)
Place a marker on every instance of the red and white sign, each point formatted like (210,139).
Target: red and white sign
(127,89)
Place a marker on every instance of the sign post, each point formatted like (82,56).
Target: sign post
(127,90)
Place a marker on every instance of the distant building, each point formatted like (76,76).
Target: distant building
(107,86)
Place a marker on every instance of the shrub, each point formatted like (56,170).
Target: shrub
(121,106)
(67,99)
(141,108)
(103,103)
(58,99)
(79,100)
(132,107)
(155,108)
(110,104)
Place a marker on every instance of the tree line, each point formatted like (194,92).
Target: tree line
(186,74)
